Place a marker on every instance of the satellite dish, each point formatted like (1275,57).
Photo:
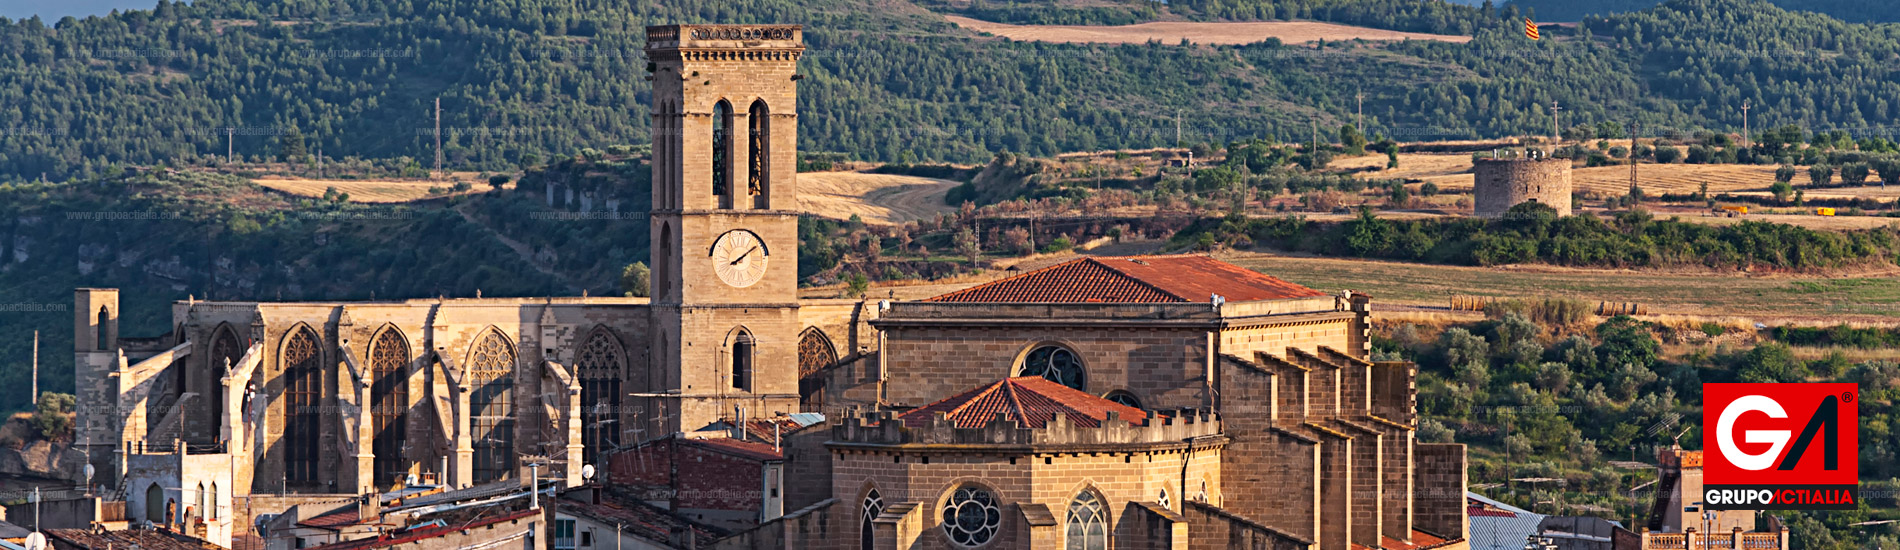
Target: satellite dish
(410,480)
(89,472)
(587,472)
(36,541)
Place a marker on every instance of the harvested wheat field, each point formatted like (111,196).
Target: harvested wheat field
(876,198)
(1171,32)
(1440,168)
(1657,179)
(1796,217)
(1865,297)
(366,191)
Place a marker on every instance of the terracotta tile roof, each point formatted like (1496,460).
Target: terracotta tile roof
(1029,400)
(428,533)
(1134,279)
(639,518)
(147,539)
(743,449)
(339,518)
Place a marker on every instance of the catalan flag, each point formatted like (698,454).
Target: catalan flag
(1530,30)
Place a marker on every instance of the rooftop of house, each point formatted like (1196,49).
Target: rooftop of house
(636,517)
(1186,278)
(429,532)
(1031,401)
(145,539)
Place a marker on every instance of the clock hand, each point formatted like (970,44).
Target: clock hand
(742,257)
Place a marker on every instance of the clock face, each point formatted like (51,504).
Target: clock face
(739,258)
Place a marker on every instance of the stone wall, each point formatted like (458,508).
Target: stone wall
(1503,183)
(1440,492)
(1212,528)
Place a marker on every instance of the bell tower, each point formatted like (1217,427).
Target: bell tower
(724,224)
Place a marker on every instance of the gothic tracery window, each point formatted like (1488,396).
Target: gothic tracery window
(389,403)
(491,372)
(971,517)
(1055,363)
(599,368)
(1088,523)
(873,505)
(815,352)
(1124,398)
(303,394)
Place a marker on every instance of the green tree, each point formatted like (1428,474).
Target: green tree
(1820,175)
(1367,234)
(1352,139)
(498,180)
(968,245)
(1668,155)
(290,145)
(855,285)
(1781,190)
(1854,174)
(636,279)
(1392,158)
(1771,362)
(1623,340)
(54,415)
(1785,173)
(1889,169)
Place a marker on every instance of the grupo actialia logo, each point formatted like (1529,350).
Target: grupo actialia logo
(1780,447)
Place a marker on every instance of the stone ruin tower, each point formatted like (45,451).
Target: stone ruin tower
(1506,182)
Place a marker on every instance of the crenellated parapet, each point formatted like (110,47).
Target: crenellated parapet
(886,428)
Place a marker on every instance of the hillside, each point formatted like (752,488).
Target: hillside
(528,80)
(1847,10)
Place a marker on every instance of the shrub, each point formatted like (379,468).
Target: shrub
(54,416)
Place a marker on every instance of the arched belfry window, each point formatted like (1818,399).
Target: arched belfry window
(758,157)
(1056,363)
(599,368)
(1088,523)
(722,154)
(742,350)
(303,402)
(873,506)
(389,405)
(491,372)
(105,320)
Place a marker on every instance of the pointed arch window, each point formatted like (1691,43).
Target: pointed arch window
(1088,523)
(303,395)
(722,154)
(742,354)
(389,408)
(601,362)
(211,508)
(155,503)
(225,352)
(758,148)
(492,420)
(867,523)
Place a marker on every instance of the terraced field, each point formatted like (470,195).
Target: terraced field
(368,191)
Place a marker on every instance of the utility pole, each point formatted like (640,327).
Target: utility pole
(1556,132)
(1745,106)
(1315,136)
(438,137)
(230,135)
(36,371)
(319,161)
(1633,162)
(1359,120)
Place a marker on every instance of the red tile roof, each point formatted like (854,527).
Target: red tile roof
(743,449)
(1134,279)
(423,534)
(1029,400)
(639,518)
(147,539)
(339,518)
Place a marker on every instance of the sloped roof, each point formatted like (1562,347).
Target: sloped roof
(1134,279)
(744,449)
(147,539)
(1029,400)
(1498,526)
(339,518)
(639,518)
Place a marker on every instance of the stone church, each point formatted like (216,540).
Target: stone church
(1134,402)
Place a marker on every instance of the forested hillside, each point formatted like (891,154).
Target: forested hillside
(527,79)
(1858,11)
(165,236)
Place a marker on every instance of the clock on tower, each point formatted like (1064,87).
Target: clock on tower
(724,316)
